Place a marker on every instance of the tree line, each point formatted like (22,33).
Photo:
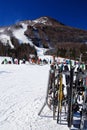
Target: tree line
(22,51)
(73,52)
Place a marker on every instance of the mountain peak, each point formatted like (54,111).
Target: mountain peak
(42,20)
(46,20)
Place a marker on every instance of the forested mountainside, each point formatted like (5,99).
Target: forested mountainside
(25,37)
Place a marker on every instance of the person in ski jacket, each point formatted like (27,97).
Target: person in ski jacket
(66,68)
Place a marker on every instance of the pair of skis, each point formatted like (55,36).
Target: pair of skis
(56,99)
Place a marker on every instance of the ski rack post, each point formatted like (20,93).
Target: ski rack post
(45,103)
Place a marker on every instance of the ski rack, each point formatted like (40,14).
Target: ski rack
(77,89)
(55,91)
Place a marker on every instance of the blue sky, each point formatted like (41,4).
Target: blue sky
(69,12)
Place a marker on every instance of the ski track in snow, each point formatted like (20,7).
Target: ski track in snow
(22,94)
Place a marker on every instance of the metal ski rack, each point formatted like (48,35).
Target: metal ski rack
(54,95)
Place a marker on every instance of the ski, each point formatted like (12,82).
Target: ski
(70,112)
(60,96)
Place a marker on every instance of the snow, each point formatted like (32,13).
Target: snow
(40,51)
(22,94)
(19,34)
(5,39)
(42,20)
(1,30)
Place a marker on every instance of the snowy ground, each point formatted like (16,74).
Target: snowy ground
(22,94)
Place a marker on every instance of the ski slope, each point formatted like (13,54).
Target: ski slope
(22,94)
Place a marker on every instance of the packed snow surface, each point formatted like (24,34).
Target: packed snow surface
(22,94)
